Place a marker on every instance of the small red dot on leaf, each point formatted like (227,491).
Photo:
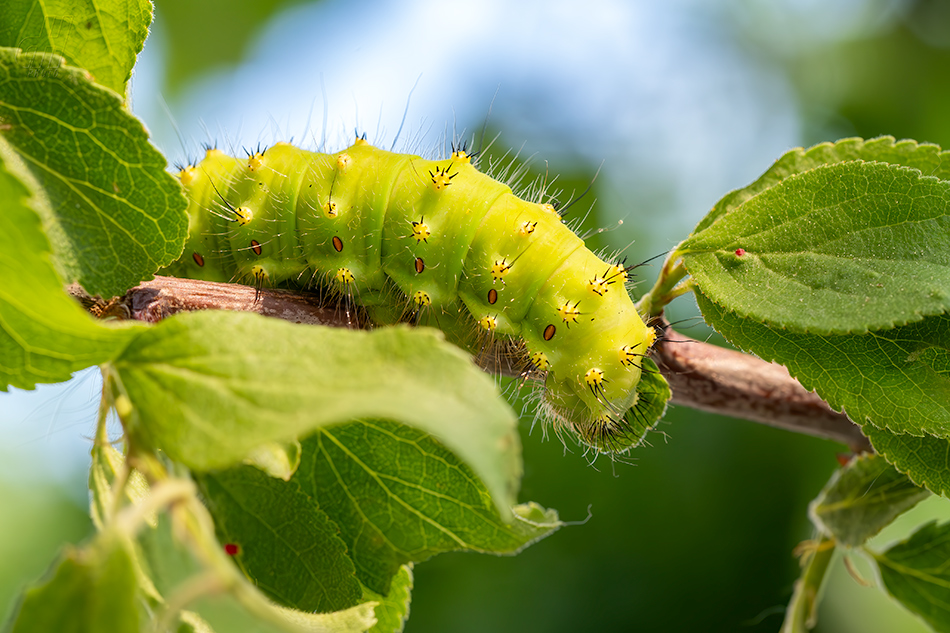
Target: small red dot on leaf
(740,252)
(231,549)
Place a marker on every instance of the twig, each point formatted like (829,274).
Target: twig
(701,376)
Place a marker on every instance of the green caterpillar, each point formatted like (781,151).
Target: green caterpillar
(432,242)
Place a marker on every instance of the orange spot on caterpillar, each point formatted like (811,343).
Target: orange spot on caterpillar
(329,209)
(421,299)
(499,270)
(232,549)
(256,247)
(198,259)
(492,296)
(344,276)
(569,313)
(843,458)
(420,231)
(343,161)
(549,332)
(337,244)
(488,322)
(441,178)
(740,252)
(420,265)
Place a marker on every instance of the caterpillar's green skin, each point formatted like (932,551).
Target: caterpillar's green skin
(366,221)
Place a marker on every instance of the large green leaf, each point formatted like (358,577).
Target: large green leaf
(93,589)
(399,496)
(286,544)
(863,498)
(102,36)
(925,459)
(392,611)
(926,157)
(897,379)
(210,387)
(44,335)
(838,249)
(112,213)
(917,572)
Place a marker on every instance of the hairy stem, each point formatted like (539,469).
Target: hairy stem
(702,376)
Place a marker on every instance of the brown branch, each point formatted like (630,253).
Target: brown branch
(701,376)
(723,381)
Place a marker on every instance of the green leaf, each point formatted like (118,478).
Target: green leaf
(926,157)
(210,387)
(191,622)
(44,335)
(102,36)
(112,213)
(917,573)
(276,459)
(287,546)
(863,498)
(92,590)
(896,379)
(653,396)
(926,459)
(399,496)
(842,248)
(392,611)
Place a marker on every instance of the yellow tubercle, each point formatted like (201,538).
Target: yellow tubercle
(344,276)
(568,312)
(329,209)
(539,360)
(255,161)
(420,231)
(499,270)
(244,215)
(344,160)
(488,322)
(441,178)
(594,377)
(422,299)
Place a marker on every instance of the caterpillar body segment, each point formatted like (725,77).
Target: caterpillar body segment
(437,243)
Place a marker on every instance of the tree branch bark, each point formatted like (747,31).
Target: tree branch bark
(701,376)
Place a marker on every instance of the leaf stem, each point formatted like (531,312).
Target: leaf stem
(666,288)
(802,613)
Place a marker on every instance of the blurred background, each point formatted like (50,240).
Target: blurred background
(676,103)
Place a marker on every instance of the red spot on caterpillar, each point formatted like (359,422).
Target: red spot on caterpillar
(337,244)
(843,459)
(256,247)
(492,296)
(740,252)
(198,259)
(420,265)
(231,549)
(549,332)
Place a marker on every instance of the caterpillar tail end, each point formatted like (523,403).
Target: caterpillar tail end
(614,429)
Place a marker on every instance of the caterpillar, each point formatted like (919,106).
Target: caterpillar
(432,242)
